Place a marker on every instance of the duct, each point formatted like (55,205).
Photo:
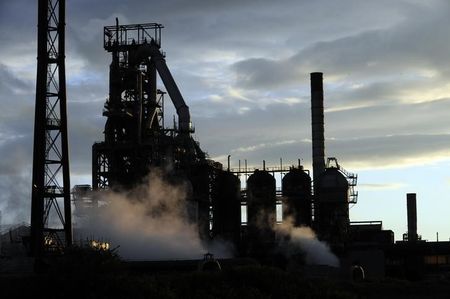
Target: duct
(152,121)
(412,216)
(317,122)
(184,117)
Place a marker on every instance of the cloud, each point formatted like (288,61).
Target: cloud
(84,129)
(15,200)
(16,123)
(362,153)
(414,45)
(391,151)
(261,146)
(261,72)
(10,83)
(15,179)
(380,186)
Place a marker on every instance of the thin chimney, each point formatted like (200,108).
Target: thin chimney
(412,216)
(318,139)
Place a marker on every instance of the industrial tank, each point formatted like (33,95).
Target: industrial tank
(261,205)
(226,204)
(331,215)
(296,191)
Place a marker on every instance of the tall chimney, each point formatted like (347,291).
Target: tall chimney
(412,216)
(318,146)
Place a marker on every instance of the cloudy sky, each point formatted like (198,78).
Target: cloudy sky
(243,68)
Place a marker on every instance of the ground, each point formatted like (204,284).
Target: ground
(110,280)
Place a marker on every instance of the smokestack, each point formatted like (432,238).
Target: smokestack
(412,216)
(318,146)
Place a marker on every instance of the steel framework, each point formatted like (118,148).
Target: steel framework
(51,224)
(135,136)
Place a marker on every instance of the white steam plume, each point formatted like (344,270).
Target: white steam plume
(149,223)
(304,239)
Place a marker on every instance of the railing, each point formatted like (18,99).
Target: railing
(250,170)
(129,35)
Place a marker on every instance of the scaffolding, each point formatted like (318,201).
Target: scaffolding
(352,179)
(51,218)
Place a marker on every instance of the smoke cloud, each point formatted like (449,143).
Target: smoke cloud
(304,239)
(151,222)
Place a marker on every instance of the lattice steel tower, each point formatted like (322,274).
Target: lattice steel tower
(51,223)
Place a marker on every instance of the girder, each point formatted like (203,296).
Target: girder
(51,218)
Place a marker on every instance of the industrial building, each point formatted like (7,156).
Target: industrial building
(136,142)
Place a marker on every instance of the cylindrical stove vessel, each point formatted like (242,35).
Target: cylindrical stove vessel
(226,206)
(261,212)
(296,190)
(331,209)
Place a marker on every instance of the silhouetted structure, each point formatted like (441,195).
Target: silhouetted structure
(51,224)
(331,205)
(261,217)
(411,207)
(333,186)
(317,125)
(135,136)
(296,191)
(226,207)
(136,140)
